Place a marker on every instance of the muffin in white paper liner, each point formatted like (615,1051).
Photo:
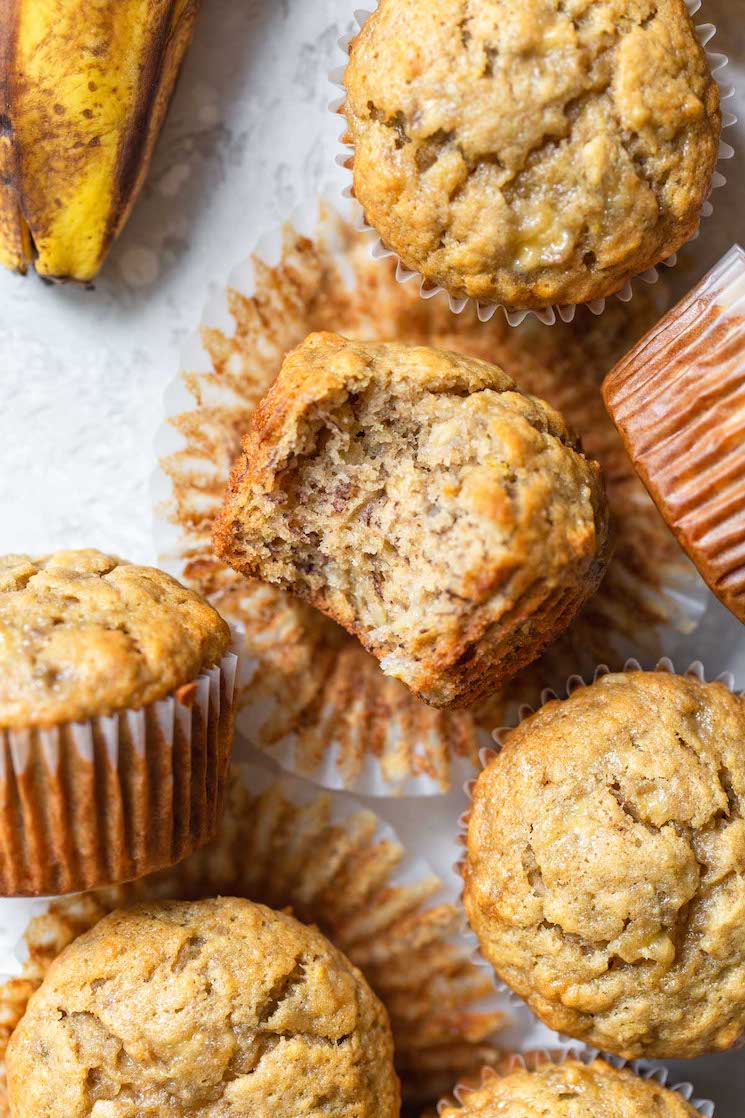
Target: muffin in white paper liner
(551,314)
(531,1061)
(333,863)
(309,694)
(519,714)
(106,800)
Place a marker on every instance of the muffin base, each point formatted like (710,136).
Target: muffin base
(687,439)
(104,801)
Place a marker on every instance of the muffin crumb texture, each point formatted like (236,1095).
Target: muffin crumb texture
(606,852)
(206,1010)
(84,634)
(532,152)
(574,1089)
(422,501)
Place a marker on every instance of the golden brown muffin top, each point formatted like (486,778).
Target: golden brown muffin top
(528,152)
(571,1090)
(84,634)
(424,502)
(212,1009)
(604,874)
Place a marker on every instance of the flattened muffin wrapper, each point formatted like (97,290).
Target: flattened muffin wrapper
(530,1061)
(308,694)
(550,315)
(575,681)
(86,804)
(334,863)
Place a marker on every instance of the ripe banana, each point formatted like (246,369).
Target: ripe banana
(84,89)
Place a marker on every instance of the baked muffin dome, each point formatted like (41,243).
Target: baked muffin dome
(424,502)
(604,875)
(84,634)
(529,153)
(572,1088)
(216,1009)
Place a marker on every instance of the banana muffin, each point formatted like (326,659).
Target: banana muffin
(678,401)
(531,153)
(571,1088)
(211,1009)
(604,872)
(116,720)
(425,503)
(84,634)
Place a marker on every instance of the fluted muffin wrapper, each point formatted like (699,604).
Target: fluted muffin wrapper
(308,694)
(84,804)
(500,736)
(678,399)
(530,1061)
(334,863)
(551,314)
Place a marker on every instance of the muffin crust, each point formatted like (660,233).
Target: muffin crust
(215,1009)
(529,152)
(421,500)
(605,868)
(572,1089)
(84,634)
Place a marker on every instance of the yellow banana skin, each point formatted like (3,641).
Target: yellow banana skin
(84,89)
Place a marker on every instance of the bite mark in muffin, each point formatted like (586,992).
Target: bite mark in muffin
(422,501)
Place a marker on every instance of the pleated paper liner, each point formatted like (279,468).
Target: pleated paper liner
(678,400)
(474,1091)
(500,736)
(83,804)
(335,864)
(309,694)
(549,316)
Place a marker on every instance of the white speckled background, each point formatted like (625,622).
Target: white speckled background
(83,373)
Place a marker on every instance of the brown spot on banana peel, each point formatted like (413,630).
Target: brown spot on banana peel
(15,241)
(110,66)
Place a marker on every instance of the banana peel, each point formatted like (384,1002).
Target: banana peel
(84,89)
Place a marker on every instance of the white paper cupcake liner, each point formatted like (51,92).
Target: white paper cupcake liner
(333,863)
(500,736)
(532,1060)
(106,800)
(552,314)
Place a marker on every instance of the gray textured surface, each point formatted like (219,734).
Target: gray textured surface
(84,372)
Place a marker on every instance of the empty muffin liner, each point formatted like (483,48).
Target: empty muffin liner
(519,713)
(530,1061)
(332,862)
(308,694)
(90,803)
(552,314)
